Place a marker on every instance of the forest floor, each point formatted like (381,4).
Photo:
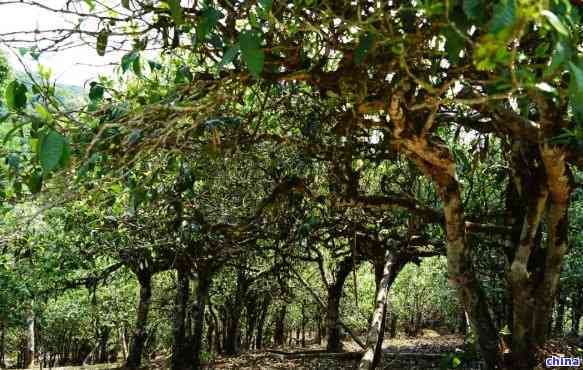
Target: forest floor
(400,353)
(420,353)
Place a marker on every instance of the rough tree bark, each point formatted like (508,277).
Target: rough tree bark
(279,332)
(252,312)
(262,318)
(103,339)
(333,326)
(180,350)
(204,282)
(559,181)
(233,338)
(323,306)
(544,182)
(140,334)
(437,163)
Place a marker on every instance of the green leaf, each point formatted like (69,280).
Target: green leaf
(208,20)
(102,39)
(561,54)
(15,95)
(90,4)
(129,60)
(556,23)
(266,4)
(176,11)
(51,150)
(454,44)
(576,92)
(126,4)
(154,66)
(505,16)
(363,47)
(474,9)
(35,182)
(137,197)
(66,154)
(251,52)
(137,66)
(96,91)
(183,74)
(229,55)
(455,362)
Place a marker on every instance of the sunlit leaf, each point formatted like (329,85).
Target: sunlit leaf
(556,22)
(176,11)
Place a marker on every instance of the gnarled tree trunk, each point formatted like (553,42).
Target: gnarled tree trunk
(180,350)
(261,323)
(279,332)
(140,334)
(333,326)
(438,164)
(204,282)
(233,338)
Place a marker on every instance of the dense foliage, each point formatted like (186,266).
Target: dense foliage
(269,172)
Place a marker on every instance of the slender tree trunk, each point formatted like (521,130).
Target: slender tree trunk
(140,334)
(303,324)
(252,313)
(576,313)
(279,332)
(334,328)
(209,334)
(324,306)
(374,340)
(560,319)
(103,339)
(180,351)
(261,324)
(233,339)
(318,328)
(204,282)
(124,343)
(28,357)
(2,344)
(217,329)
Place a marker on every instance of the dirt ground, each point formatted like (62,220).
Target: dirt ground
(427,344)
(400,354)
